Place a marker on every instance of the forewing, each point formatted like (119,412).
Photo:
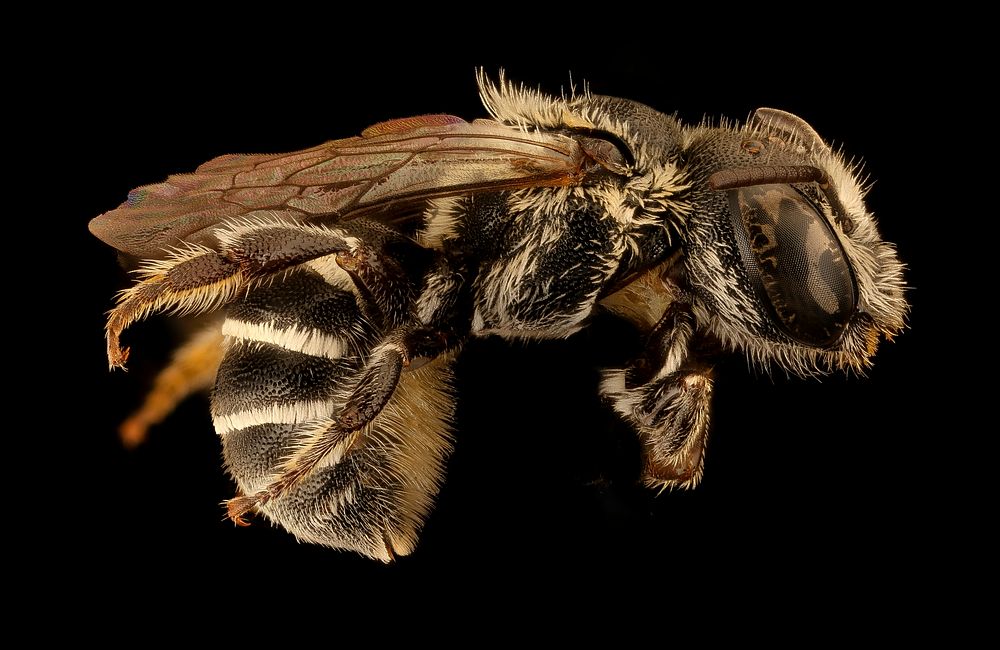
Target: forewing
(392,168)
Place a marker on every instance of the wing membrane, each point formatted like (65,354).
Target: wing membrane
(391,168)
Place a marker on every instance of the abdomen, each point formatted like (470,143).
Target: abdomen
(294,348)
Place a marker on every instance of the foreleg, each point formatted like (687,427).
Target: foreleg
(667,400)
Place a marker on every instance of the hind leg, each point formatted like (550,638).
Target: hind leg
(192,369)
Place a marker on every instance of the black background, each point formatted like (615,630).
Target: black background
(808,483)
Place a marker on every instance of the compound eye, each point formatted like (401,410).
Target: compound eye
(794,261)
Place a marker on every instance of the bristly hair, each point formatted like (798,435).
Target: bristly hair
(528,109)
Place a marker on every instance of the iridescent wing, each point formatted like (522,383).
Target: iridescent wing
(391,169)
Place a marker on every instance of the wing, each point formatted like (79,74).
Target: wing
(392,167)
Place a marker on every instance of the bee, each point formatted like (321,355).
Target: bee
(348,276)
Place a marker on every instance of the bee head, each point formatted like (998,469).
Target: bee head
(782,250)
